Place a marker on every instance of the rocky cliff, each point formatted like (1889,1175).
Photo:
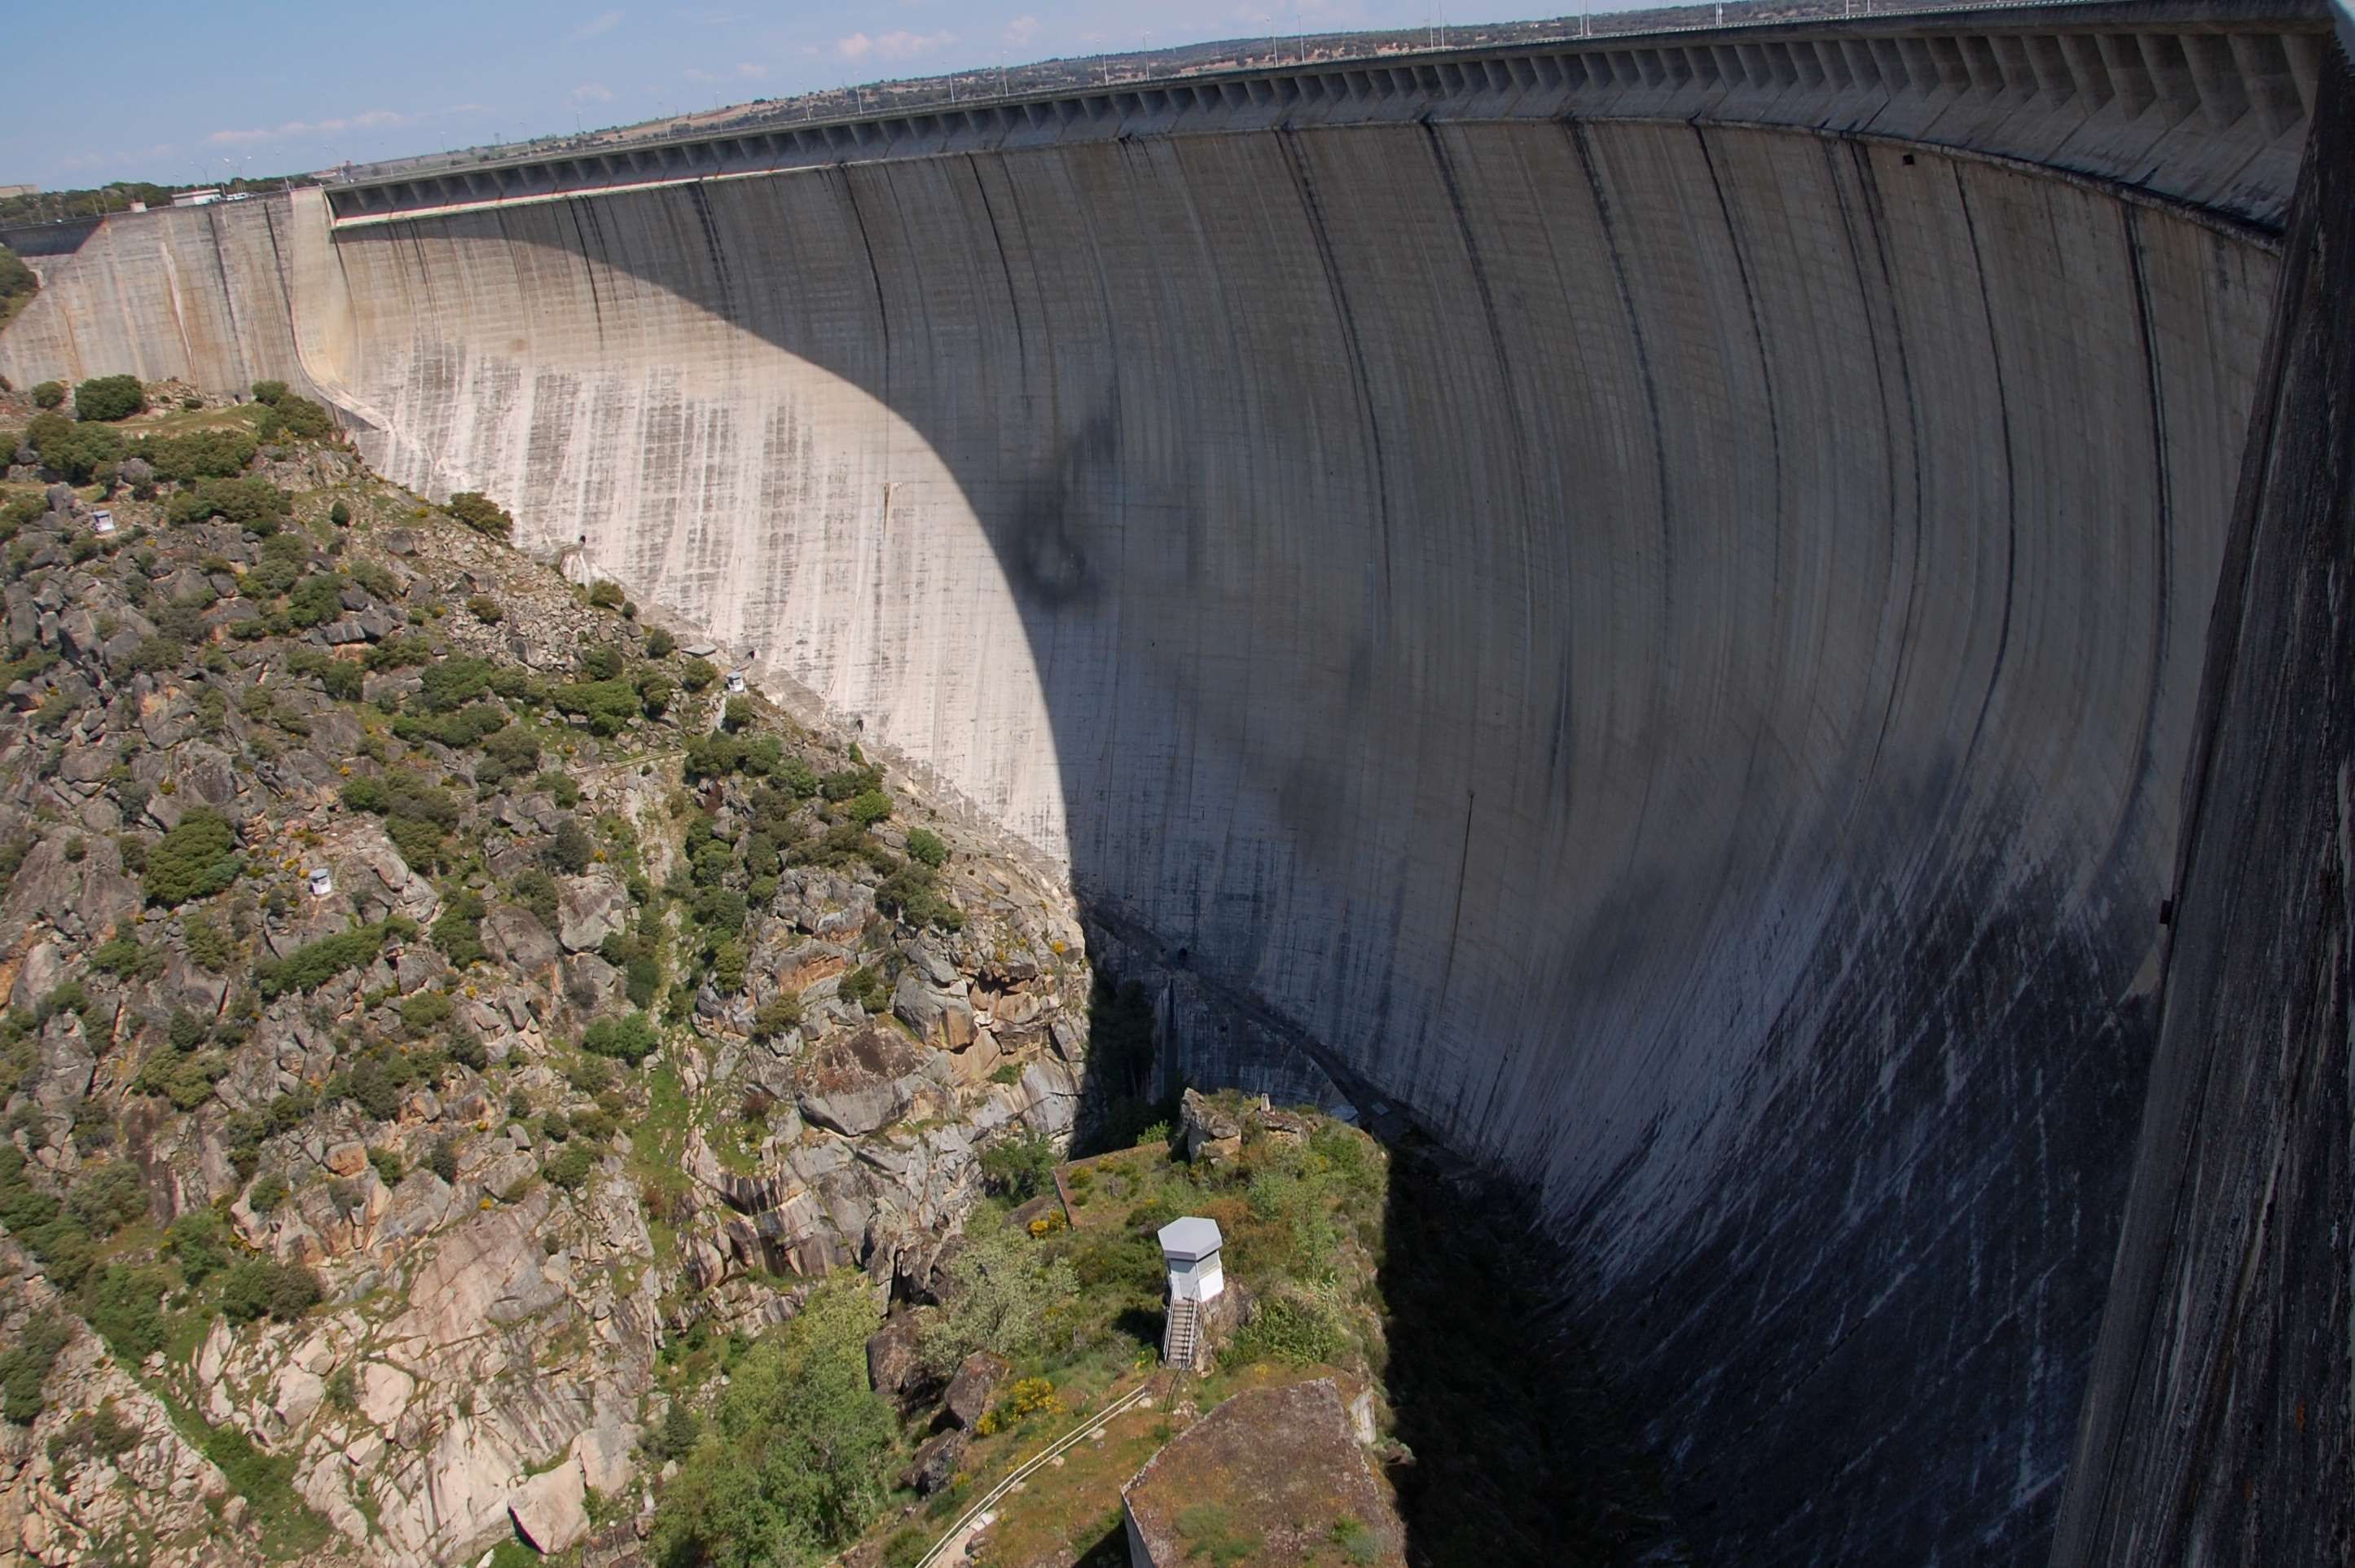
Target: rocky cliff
(431,993)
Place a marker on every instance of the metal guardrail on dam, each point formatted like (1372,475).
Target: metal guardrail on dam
(2202,102)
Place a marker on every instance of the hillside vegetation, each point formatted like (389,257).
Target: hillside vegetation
(397,1215)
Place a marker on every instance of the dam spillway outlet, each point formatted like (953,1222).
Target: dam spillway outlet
(1649,593)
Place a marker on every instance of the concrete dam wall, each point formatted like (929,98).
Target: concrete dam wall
(1669,644)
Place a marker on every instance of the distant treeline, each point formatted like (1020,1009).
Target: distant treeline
(51,206)
(17,284)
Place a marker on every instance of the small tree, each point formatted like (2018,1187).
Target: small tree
(108,398)
(630,1039)
(482,514)
(195,859)
(697,674)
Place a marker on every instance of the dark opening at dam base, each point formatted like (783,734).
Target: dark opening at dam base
(1735,639)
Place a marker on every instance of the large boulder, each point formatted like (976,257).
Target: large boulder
(936,1462)
(550,1509)
(862,1080)
(973,1387)
(1208,1132)
(938,1017)
(895,1366)
(589,909)
(516,940)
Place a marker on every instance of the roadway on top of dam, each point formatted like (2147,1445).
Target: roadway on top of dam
(2202,102)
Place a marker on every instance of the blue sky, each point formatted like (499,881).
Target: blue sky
(204,87)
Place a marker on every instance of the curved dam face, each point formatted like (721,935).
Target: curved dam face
(1669,647)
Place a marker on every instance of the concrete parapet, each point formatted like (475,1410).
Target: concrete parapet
(2195,101)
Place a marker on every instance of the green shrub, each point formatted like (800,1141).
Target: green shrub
(388,1166)
(1289,1327)
(775,1018)
(221,453)
(124,1304)
(314,963)
(1020,1167)
(570,1167)
(108,398)
(267,393)
(697,674)
(109,1198)
(485,608)
(794,1468)
(25,1366)
(298,418)
(870,988)
(1357,1543)
(927,849)
(482,514)
(607,705)
(426,1012)
(255,504)
(606,595)
(196,858)
(126,958)
(102,1434)
(458,930)
(75,451)
(340,515)
(48,394)
(630,1038)
(660,644)
(198,1242)
(268,1191)
(257,1287)
(315,601)
(208,945)
(570,850)
(442,1159)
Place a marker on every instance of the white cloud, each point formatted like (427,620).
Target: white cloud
(604,22)
(1021,30)
(744,70)
(593,92)
(368,119)
(896,45)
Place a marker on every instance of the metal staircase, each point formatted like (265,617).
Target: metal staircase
(1181,1341)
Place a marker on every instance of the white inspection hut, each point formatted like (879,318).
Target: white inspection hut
(1190,1245)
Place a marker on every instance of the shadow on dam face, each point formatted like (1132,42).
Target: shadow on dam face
(1669,650)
